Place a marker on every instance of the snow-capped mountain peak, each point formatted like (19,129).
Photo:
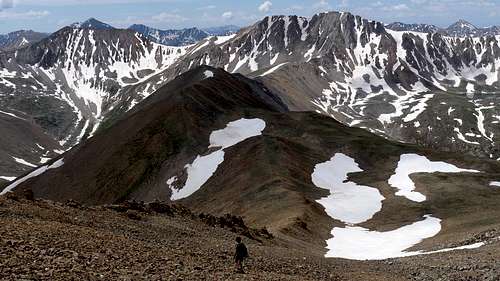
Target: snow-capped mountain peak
(92,23)
(171,37)
(463,24)
(462,28)
(21,38)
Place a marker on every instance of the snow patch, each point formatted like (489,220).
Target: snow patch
(33,174)
(273,69)
(413,163)
(24,162)
(11,115)
(236,132)
(208,74)
(224,39)
(203,167)
(7,178)
(358,243)
(348,202)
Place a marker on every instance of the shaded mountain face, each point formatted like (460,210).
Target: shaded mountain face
(24,144)
(70,82)
(461,28)
(92,23)
(19,39)
(222,143)
(429,89)
(182,37)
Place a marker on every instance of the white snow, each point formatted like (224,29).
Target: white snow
(236,132)
(33,174)
(348,202)
(273,69)
(470,88)
(224,39)
(203,167)
(200,46)
(11,115)
(208,74)
(413,163)
(171,180)
(8,178)
(495,183)
(24,162)
(44,160)
(358,243)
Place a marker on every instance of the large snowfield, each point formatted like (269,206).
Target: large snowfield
(362,244)
(348,202)
(413,163)
(203,167)
(354,204)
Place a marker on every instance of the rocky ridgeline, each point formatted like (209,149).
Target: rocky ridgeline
(136,210)
(139,210)
(44,240)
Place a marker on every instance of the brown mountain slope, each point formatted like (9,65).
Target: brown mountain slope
(43,240)
(266,179)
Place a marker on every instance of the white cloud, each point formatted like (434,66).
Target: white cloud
(90,2)
(295,8)
(265,7)
(398,7)
(6,4)
(168,17)
(322,5)
(24,15)
(206,8)
(344,3)
(227,15)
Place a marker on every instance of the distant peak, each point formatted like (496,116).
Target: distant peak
(463,24)
(92,23)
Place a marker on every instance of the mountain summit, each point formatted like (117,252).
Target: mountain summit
(171,37)
(462,28)
(92,23)
(21,38)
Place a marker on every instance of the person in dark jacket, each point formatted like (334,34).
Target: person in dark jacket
(240,255)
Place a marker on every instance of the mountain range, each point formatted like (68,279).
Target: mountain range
(429,89)
(341,137)
(182,37)
(19,39)
(222,143)
(171,37)
(461,28)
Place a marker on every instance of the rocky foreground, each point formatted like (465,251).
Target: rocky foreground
(43,240)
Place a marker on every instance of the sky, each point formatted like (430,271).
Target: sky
(51,15)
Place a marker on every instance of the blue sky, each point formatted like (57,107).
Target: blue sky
(50,15)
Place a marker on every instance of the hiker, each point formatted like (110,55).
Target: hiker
(240,254)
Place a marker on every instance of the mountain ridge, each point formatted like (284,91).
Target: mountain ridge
(395,91)
(460,28)
(19,39)
(171,37)
(228,144)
